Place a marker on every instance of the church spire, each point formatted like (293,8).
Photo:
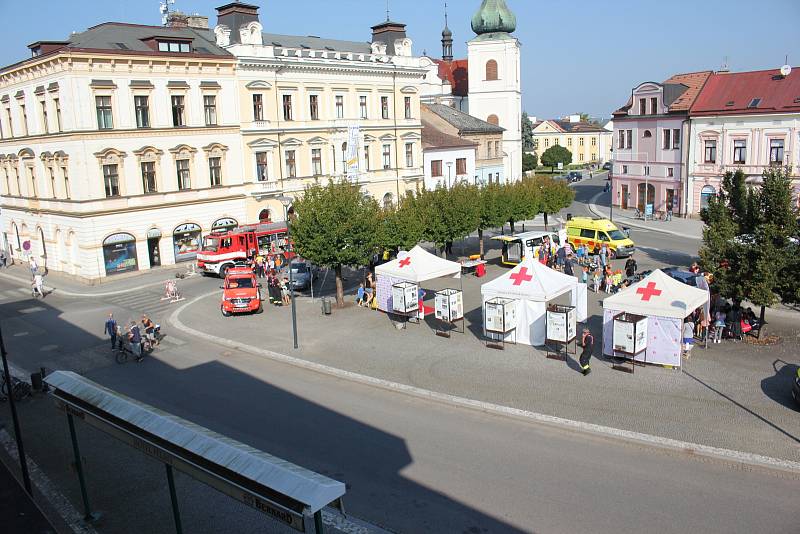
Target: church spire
(447,39)
(494,17)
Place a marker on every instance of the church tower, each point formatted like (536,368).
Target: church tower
(495,93)
(447,39)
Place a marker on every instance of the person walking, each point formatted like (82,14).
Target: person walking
(111,330)
(587,342)
(33,266)
(688,337)
(38,285)
(135,338)
(719,325)
(604,256)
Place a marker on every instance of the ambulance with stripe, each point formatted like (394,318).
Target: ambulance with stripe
(594,233)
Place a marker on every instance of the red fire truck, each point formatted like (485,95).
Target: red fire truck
(224,250)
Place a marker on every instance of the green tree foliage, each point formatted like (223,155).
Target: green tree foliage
(747,241)
(555,155)
(336,225)
(529,161)
(554,195)
(521,201)
(449,214)
(401,227)
(527,132)
(493,212)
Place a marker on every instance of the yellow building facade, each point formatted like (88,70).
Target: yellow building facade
(589,143)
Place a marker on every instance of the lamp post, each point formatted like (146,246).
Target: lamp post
(287,201)
(449,174)
(23,459)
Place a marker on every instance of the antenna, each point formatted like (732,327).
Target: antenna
(724,67)
(445,14)
(387,10)
(165,11)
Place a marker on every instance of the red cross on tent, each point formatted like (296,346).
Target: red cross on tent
(521,276)
(649,291)
(404,262)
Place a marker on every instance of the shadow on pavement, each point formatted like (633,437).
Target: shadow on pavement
(778,387)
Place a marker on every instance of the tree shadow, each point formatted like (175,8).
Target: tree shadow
(778,387)
(668,257)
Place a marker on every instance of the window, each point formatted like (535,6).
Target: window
(739,151)
(461,166)
(647,134)
(104,118)
(385,107)
(177,111)
(313,107)
(642,106)
(546,143)
(184,176)
(491,70)
(676,138)
(167,46)
(388,201)
(776,151)
(654,106)
(408,107)
(142,109)
(497,152)
(667,139)
(261,166)
(362,102)
(24,119)
(287,107)
(670,172)
(210,109)
(387,156)
(489,150)
(706,194)
(558,141)
(580,141)
(580,156)
(366,158)
(621,142)
(339,106)
(409,155)
(258,108)
(493,119)
(57,105)
(52,172)
(215,171)
(629,138)
(624,169)
(594,141)
(65,174)
(710,151)
(316,161)
(111,180)
(344,158)
(46,126)
(291,167)
(647,170)
(587,234)
(436,168)
(569,141)
(149,177)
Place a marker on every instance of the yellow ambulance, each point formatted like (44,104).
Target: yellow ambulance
(594,233)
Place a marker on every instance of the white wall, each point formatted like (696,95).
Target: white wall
(449,156)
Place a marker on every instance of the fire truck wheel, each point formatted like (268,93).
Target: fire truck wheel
(260,309)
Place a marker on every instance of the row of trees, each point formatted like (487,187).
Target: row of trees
(338,225)
(750,240)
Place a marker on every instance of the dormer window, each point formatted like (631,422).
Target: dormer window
(172,46)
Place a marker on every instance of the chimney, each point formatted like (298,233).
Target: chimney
(387,33)
(234,16)
(176,19)
(198,21)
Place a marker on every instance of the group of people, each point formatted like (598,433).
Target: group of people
(270,267)
(132,334)
(264,264)
(37,280)
(556,256)
(278,289)
(366,295)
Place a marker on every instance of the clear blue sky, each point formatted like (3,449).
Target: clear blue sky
(578,55)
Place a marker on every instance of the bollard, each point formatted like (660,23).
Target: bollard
(36,381)
(326,306)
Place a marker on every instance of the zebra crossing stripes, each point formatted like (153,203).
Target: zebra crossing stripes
(145,302)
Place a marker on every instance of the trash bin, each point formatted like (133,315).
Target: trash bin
(326,306)
(569,216)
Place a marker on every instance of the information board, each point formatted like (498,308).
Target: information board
(501,315)
(449,305)
(405,297)
(623,337)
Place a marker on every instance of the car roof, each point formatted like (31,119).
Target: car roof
(239,271)
(596,224)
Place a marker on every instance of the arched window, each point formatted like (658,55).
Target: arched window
(647,134)
(706,193)
(265,216)
(491,70)
(388,201)
(493,119)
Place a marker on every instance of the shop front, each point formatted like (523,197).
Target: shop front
(154,247)
(186,240)
(119,254)
(224,225)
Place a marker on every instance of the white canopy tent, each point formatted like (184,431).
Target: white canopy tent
(666,302)
(533,285)
(417,265)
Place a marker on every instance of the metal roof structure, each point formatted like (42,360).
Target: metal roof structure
(465,123)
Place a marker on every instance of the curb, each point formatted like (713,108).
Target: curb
(727,455)
(594,209)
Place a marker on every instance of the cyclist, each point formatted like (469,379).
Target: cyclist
(149,329)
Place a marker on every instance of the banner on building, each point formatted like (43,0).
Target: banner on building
(353,138)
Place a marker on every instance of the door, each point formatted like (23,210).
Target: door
(651,196)
(154,251)
(625,196)
(669,206)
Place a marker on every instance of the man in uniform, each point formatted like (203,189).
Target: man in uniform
(587,341)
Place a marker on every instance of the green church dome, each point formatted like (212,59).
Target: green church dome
(494,17)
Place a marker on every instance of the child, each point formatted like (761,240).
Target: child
(719,325)
(360,295)
(596,280)
(585,275)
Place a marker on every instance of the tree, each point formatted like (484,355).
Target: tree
(449,214)
(520,200)
(747,241)
(555,155)
(554,195)
(529,161)
(527,132)
(401,227)
(336,225)
(586,118)
(493,212)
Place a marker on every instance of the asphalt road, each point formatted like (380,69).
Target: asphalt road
(410,465)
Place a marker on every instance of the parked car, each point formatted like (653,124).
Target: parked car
(303,274)
(241,292)
(681,275)
(607,166)
(574,176)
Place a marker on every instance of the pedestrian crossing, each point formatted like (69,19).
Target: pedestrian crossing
(15,294)
(144,302)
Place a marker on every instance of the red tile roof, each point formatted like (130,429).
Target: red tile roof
(694,81)
(728,93)
(457,73)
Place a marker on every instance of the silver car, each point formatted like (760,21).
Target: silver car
(302,274)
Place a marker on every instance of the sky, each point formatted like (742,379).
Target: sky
(577,55)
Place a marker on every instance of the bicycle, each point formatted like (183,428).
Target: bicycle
(123,351)
(20,389)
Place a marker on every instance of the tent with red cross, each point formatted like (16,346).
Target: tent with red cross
(417,265)
(666,302)
(533,286)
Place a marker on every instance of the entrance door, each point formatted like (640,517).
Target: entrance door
(670,204)
(651,196)
(625,195)
(154,251)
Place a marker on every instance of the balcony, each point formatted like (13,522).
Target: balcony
(265,189)
(716,169)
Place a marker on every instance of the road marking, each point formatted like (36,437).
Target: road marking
(32,309)
(49,491)
(737,457)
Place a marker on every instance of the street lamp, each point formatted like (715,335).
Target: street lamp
(449,174)
(287,201)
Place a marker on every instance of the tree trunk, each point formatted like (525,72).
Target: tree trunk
(511,223)
(761,322)
(339,287)
(545,220)
(480,241)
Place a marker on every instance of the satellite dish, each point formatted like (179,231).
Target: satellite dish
(786,70)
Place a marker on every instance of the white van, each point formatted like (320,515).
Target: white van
(519,246)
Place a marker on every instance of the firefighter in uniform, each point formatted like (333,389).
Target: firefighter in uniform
(587,341)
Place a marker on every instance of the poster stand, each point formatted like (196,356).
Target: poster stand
(500,320)
(405,301)
(449,311)
(629,342)
(561,332)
